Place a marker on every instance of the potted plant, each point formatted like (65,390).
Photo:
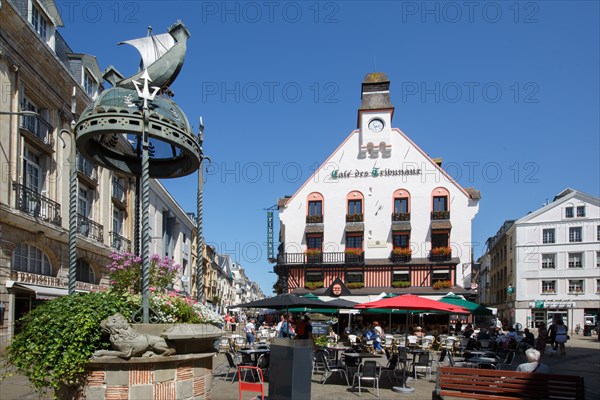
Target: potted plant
(355,285)
(313,255)
(314,285)
(442,285)
(401,284)
(73,322)
(314,219)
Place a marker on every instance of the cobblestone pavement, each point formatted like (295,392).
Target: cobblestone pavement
(583,359)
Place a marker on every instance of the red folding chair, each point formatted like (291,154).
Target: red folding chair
(255,387)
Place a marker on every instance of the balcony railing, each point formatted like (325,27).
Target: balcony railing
(87,168)
(39,127)
(118,191)
(89,228)
(323,258)
(354,218)
(36,205)
(434,256)
(353,258)
(119,242)
(314,219)
(400,258)
(401,216)
(440,215)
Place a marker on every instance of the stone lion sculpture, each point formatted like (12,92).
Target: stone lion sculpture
(128,343)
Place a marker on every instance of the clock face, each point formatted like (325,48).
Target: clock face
(376,125)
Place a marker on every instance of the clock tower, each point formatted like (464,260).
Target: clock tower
(375,116)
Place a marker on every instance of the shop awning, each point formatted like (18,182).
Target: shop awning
(41,292)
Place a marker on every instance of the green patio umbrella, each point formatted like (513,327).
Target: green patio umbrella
(473,308)
(311,296)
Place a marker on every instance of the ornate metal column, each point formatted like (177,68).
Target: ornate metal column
(199,232)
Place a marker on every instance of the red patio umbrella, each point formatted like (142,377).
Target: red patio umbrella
(411,302)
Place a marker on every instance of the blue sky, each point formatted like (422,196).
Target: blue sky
(507,93)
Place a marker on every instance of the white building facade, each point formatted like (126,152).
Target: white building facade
(557,255)
(171,232)
(379,210)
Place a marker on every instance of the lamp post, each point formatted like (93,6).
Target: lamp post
(509,291)
(199,232)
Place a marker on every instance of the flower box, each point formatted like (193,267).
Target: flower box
(313,285)
(401,284)
(355,285)
(442,285)
(356,252)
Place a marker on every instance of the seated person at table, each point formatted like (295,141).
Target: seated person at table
(529,338)
(468,331)
(483,334)
(533,363)
(419,332)
(378,336)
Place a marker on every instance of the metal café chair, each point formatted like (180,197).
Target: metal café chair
(422,362)
(331,369)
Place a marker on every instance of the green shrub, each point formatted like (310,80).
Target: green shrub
(401,284)
(58,337)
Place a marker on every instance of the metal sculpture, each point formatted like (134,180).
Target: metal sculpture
(136,129)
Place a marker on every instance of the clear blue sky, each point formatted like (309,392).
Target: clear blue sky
(506,93)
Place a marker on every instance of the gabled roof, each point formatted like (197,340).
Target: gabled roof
(561,198)
(470,193)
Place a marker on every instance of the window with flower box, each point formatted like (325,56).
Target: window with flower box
(354,279)
(440,275)
(314,276)
(575,260)
(548,235)
(548,261)
(354,241)
(575,234)
(575,286)
(548,287)
(401,205)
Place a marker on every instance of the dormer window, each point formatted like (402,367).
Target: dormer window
(89,84)
(40,25)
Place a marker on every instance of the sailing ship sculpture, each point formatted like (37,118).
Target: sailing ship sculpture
(110,130)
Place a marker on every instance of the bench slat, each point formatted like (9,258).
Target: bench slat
(499,384)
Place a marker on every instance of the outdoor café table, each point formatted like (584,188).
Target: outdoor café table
(255,353)
(485,362)
(361,356)
(337,350)
(468,354)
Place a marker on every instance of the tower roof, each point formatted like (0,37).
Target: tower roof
(375,93)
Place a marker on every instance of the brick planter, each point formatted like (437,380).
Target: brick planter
(184,376)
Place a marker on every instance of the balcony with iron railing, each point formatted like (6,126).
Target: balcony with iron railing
(88,228)
(87,170)
(315,258)
(440,215)
(118,191)
(119,242)
(401,254)
(36,205)
(38,127)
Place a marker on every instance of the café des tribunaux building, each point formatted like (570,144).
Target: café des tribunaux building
(380,217)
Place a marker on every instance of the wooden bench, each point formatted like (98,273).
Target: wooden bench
(473,383)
